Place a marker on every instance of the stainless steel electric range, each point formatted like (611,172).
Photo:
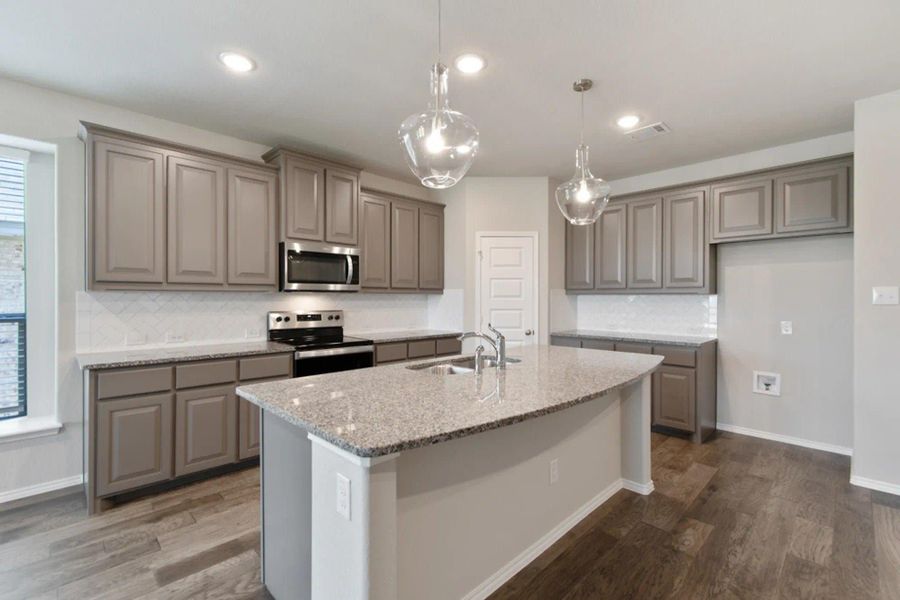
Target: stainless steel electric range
(320,345)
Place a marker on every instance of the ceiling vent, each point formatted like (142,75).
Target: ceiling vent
(649,131)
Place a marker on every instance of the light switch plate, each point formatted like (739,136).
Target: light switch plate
(787,327)
(886,294)
(342,504)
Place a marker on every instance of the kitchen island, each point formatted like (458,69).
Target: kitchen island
(396,482)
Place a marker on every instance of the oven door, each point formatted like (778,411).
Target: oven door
(315,267)
(333,360)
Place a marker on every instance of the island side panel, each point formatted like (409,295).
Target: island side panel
(286,508)
(636,436)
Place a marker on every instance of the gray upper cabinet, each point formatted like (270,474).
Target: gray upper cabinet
(375,241)
(684,239)
(126,212)
(645,243)
(431,247)
(196,221)
(341,203)
(303,199)
(404,244)
(579,257)
(610,248)
(252,216)
(741,209)
(813,199)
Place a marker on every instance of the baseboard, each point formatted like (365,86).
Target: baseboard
(640,488)
(495,581)
(40,488)
(874,484)
(786,439)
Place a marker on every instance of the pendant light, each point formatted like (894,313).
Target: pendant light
(582,198)
(440,143)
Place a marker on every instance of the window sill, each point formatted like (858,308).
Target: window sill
(25,428)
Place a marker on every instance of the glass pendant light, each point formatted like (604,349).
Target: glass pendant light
(583,198)
(440,143)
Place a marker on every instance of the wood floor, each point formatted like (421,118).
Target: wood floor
(734,518)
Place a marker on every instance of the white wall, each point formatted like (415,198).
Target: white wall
(38,114)
(876,261)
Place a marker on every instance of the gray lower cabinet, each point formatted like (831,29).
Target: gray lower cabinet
(341,205)
(674,397)
(126,212)
(404,244)
(205,428)
(375,241)
(431,247)
(645,253)
(134,442)
(252,218)
(248,429)
(392,352)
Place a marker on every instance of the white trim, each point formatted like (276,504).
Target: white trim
(786,439)
(495,581)
(41,488)
(644,489)
(362,461)
(12,153)
(24,428)
(535,237)
(26,144)
(874,484)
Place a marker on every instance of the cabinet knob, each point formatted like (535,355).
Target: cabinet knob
(528,332)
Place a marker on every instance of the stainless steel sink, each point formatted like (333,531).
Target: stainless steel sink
(444,369)
(459,366)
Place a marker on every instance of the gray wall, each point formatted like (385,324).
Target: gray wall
(808,281)
(876,262)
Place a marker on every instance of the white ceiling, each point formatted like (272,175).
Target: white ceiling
(338,76)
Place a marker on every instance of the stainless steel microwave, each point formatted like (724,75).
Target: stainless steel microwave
(317,267)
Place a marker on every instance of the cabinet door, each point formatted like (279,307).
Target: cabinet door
(645,243)
(404,245)
(431,248)
(609,248)
(251,227)
(341,203)
(196,196)
(674,397)
(684,239)
(741,209)
(134,442)
(812,200)
(304,199)
(205,428)
(128,213)
(579,257)
(374,242)
(248,429)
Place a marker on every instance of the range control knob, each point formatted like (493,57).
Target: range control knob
(337,317)
(286,319)
(278,319)
(331,317)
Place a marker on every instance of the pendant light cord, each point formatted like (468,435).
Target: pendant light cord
(582,117)
(439,30)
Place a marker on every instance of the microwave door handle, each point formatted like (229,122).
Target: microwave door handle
(349,269)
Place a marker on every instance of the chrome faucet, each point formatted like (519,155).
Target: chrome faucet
(501,346)
(479,359)
(498,345)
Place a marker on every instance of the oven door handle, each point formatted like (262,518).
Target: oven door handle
(349,270)
(300,354)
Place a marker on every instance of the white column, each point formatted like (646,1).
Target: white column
(636,436)
(353,555)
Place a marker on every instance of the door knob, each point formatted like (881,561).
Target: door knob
(528,332)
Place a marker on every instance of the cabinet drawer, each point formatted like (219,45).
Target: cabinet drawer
(261,367)
(677,356)
(558,340)
(633,347)
(131,382)
(385,353)
(598,344)
(207,373)
(444,346)
(420,348)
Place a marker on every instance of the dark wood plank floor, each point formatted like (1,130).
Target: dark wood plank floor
(734,518)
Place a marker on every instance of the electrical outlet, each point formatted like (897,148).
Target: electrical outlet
(253,333)
(787,327)
(174,338)
(135,339)
(554,471)
(342,504)
(889,294)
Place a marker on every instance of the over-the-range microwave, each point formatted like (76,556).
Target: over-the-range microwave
(317,267)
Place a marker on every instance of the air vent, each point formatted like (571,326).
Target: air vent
(650,131)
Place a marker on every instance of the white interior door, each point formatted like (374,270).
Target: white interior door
(507,291)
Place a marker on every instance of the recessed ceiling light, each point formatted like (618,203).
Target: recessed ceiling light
(237,62)
(628,121)
(469,63)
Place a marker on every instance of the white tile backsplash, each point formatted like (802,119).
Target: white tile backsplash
(109,320)
(684,314)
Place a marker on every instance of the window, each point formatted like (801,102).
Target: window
(12,288)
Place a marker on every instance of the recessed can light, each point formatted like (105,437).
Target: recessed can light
(236,62)
(469,63)
(628,121)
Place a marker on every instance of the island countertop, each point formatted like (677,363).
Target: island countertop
(381,410)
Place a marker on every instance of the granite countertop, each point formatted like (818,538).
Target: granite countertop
(381,337)
(673,339)
(382,410)
(153,356)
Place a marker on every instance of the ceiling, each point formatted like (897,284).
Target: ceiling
(337,77)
